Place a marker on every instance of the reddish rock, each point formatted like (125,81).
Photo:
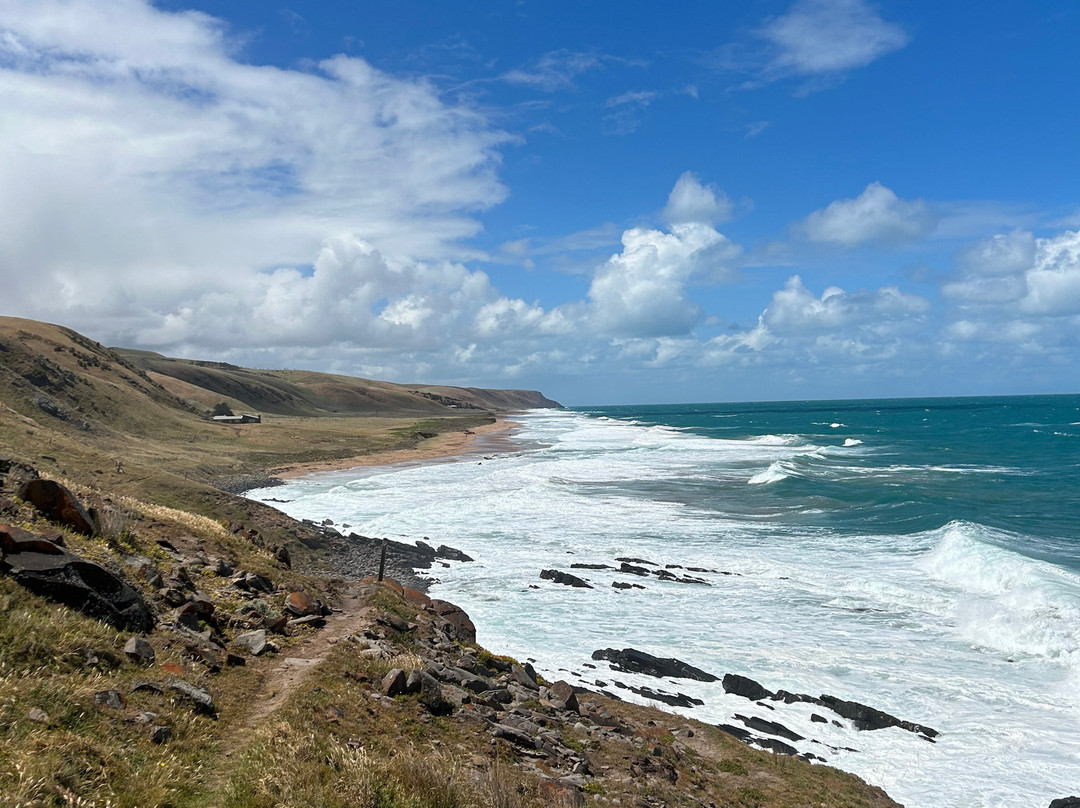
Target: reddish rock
(302,604)
(416,598)
(561,695)
(15,540)
(460,625)
(58,504)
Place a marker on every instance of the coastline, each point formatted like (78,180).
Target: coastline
(446,446)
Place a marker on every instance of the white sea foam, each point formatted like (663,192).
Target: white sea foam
(944,627)
(849,442)
(773,474)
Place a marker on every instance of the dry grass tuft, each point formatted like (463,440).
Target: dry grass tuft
(284,767)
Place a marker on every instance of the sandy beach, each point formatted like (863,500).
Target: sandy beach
(486,439)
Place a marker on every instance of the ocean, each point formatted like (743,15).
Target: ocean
(921,556)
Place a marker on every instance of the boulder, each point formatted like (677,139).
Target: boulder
(15,540)
(253,641)
(202,700)
(139,650)
(431,692)
(458,622)
(564,578)
(160,734)
(522,677)
(561,696)
(58,504)
(396,622)
(302,604)
(1066,802)
(82,585)
(395,683)
(634,661)
(745,687)
(769,727)
(451,553)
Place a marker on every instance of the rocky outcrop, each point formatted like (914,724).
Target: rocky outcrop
(862,716)
(634,661)
(60,576)
(565,578)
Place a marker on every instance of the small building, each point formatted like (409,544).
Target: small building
(244,418)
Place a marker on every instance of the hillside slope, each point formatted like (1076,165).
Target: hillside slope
(299,392)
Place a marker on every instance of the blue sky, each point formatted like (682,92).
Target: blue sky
(611,202)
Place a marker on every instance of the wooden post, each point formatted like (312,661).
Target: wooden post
(382,560)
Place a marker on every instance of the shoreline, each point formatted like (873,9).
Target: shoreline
(444,447)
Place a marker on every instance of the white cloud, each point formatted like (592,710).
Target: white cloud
(641,291)
(794,308)
(877,214)
(555,70)
(817,37)
(1033,276)
(692,202)
(143,165)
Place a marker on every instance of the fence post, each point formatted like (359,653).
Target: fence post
(382,560)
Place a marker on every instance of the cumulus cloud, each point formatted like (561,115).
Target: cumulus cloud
(641,291)
(144,162)
(877,214)
(795,309)
(691,202)
(1033,276)
(818,37)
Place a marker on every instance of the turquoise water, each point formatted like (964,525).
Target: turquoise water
(920,556)
(1010,463)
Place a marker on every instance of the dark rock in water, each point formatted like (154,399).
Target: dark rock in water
(672,699)
(629,560)
(591,567)
(1066,802)
(867,718)
(818,719)
(766,743)
(624,585)
(58,504)
(564,578)
(769,727)
(451,553)
(630,569)
(634,661)
(745,687)
(861,715)
(81,585)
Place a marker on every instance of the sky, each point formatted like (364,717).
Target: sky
(609,202)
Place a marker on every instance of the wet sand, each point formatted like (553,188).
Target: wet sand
(487,439)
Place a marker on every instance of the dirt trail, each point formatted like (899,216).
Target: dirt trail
(287,671)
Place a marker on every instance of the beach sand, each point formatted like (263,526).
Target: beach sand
(481,440)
